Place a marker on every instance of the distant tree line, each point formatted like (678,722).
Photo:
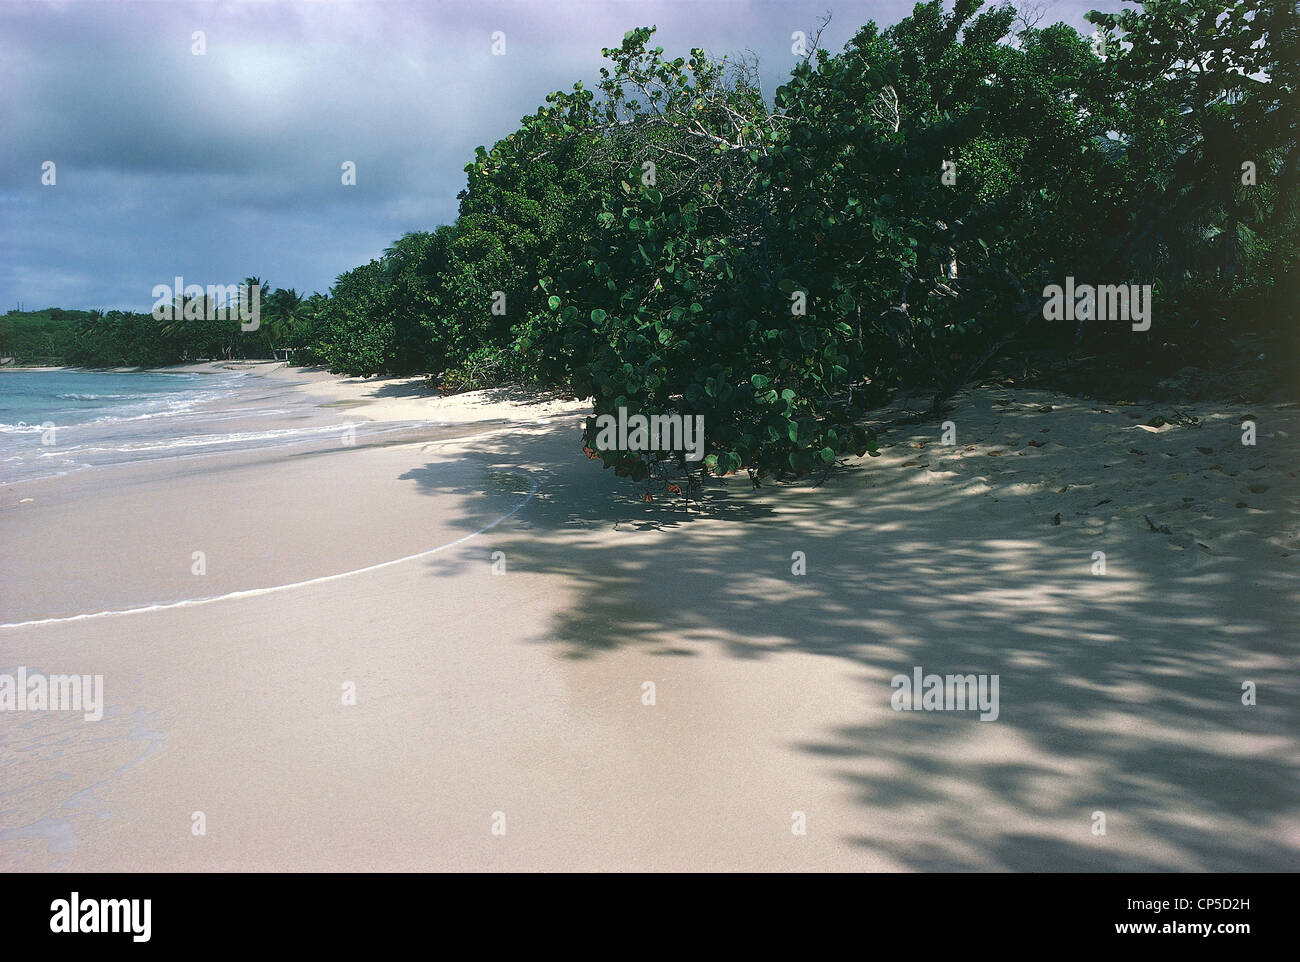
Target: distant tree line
(129,339)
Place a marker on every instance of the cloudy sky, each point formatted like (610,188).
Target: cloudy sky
(218,166)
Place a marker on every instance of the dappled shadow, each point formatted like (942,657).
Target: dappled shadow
(516,395)
(1120,693)
(389,386)
(393,387)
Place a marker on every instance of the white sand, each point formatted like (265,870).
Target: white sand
(522,693)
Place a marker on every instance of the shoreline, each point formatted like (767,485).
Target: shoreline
(316,406)
(523,692)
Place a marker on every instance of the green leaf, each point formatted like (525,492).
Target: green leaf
(760,381)
(598,315)
(553,302)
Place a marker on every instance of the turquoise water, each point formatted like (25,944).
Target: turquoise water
(31,398)
(53,422)
(56,422)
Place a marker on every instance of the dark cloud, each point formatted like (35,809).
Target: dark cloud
(228,164)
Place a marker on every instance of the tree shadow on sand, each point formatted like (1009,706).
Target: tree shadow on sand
(1120,694)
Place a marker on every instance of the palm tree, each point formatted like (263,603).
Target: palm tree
(285,306)
(251,282)
(405,251)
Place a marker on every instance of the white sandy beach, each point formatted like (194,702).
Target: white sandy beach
(521,693)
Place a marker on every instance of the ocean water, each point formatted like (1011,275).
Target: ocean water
(30,398)
(56,422)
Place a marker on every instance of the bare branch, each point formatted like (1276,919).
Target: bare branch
(822,23)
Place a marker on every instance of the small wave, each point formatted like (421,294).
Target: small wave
(73,466)
(237,437)
(169,407)
(157,406)
(109,397)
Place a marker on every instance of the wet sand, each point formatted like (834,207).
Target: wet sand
(519,699)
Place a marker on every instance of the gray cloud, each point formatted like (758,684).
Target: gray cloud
(228,164)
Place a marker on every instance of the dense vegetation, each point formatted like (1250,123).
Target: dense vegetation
(674,241)
(129,339)
(39,336)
